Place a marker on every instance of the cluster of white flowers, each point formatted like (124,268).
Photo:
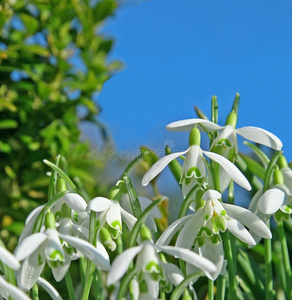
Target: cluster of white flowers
(71,228)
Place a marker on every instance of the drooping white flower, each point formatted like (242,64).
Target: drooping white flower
(8,291)
(110,212)
(204,226)
(39,248)
(228,132)
(195,165)
(148,265)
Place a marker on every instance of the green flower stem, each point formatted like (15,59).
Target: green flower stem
(221,288)
(286,260)
(35,292)
(90,267)
(131,165)
(125,283)
(230,265)
(268,267)
(210,289)
(70,287)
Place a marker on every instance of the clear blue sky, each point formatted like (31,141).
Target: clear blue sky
(180,53)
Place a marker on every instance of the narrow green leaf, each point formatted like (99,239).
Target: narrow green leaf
(260,154)
(253,166)
(135,204)
(236,103)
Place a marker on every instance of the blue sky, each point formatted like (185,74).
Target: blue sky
(180,53)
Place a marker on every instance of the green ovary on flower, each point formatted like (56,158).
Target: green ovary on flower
(153,268)
(218,223)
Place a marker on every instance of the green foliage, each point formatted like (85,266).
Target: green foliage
(53,63)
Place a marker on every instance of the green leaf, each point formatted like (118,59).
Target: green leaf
(30,23)
(8,124)
(260,154)
(135,204)
(253,166)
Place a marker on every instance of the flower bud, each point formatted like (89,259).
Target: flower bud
(231,119)
(278,177)
(50,220)
(115,192)
(282,162)
(106,239)
(195,137)
(145,233)
(61,185)
(65,211)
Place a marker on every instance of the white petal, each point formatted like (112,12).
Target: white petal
(171,230)
(253,205)
(159,166)
(271,201)
(29,223)
(211,194)
(230,169)
(215,253)
(99,204)
(31,269)
(121,264)
(152,287)
(248,219)
(128,219)
(53,244)
(97,255)
(29,245)
(189,124)
(287,172)
(9,259)
(190,257)
(261,136)
(114,215)
(237,229)
(192,227)
(173,273)
(49,289)
(75,202)
(60,270)
(12,290)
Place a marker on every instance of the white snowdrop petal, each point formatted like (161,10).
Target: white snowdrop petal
(189,124)
(75,202)
(12,290)
(237,229)
(190,257)
(215,253)
(171,230)
(29,245)
(230,169)
(49,289)
(261,136)
(97,255)
(121,264)
(30,270)
(189,232)
(9,259)
(173,273)
(98,204)
(271,201)
(159,166)
(248,219)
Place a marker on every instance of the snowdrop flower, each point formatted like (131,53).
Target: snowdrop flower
(7,289)
(39,248)
(227,136)
(148,265)
(204,226)
(111,213)
(194,166)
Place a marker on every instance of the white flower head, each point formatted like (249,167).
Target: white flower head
(110,212)
(194,164)
(204,226)
(149,266)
